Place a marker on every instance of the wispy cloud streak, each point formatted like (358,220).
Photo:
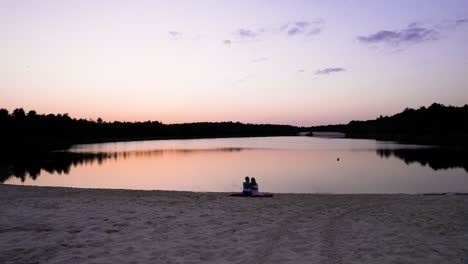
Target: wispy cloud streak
(410,34)
(301,27)
(248,33)
(175,34)
(329,70)
(452,24)
(307,28)
(261,59)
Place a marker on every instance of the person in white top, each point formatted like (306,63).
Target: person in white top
(254,187)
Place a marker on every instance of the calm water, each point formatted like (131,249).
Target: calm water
(280,165)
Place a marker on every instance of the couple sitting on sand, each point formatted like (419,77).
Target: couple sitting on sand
(250,187)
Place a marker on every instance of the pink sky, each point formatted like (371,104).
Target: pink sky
(283,62)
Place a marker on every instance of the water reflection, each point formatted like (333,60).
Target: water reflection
(62,162)
(435,158)
(57,162)
(282,165)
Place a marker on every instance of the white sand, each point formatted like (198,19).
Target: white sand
(62,225)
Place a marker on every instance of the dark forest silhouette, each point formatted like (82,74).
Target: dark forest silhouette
(31,132)
(436,124)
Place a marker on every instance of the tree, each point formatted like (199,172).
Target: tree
(3,114)
(32,113)
(18,113)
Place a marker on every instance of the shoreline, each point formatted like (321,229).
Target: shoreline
(75,225)
(226,193)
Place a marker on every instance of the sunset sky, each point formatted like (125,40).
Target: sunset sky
(273,61)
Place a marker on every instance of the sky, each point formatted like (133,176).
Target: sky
(303,63)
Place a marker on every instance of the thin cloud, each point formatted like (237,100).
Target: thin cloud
(414,33)
(461,21)
(175,34)
(314,31)
(247,33)
(329,70)
(227,42)
(302,24)
(300,27)
(306,28)
(294,31)
(407,35)
(261,59)
(243,79)
(452,24)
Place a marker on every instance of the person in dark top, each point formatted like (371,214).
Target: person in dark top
(254,187)
(247,190)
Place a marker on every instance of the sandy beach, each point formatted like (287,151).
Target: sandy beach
(64,225)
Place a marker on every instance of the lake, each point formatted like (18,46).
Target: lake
(279,164)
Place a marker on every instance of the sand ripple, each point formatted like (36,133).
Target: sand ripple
(62,225)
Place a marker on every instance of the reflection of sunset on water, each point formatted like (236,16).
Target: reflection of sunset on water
(306,167)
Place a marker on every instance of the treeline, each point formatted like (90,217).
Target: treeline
(22,132)
(31,131)
(436,124)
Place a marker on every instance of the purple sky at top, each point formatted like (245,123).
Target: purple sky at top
(273,61)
